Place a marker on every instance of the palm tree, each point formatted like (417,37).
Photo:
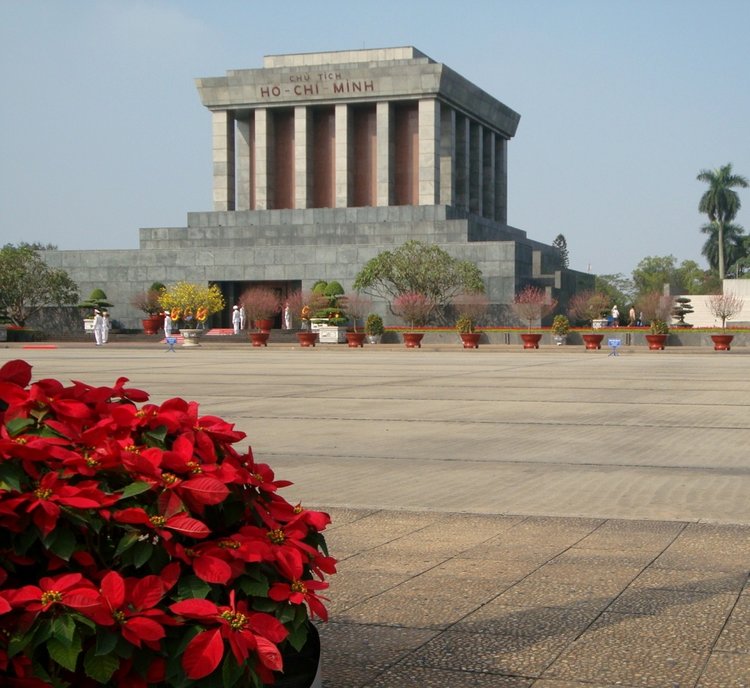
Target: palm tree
(733,244)
(721,202)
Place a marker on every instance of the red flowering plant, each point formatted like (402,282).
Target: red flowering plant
(139,548)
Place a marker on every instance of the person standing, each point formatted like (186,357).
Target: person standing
(631,317)
(236,319)
(243,317)
(287,317)
(98,326)
(615,316)
(167,324)
(106,326)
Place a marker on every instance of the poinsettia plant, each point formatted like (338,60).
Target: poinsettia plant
(139,547)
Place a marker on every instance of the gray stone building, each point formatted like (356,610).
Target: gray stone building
(323,160)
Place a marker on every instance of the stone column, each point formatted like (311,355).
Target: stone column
(263,154)
(475,168)
(384,153)
(223,155)
(245,178)
(302,157)
(429,147)
(463,130)
(488,174)
(447,155)
(501,179)
(343,162)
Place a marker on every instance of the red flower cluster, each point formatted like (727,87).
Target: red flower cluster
(138,547)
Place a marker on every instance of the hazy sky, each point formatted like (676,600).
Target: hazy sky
(621,103)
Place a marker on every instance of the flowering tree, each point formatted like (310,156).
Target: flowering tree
(470,308)
(356,306)
(533,303)
(588,305)
(724,307)
(413,307)
(655,306)
(191,303)
(260,303)
(139,547)
(303,303)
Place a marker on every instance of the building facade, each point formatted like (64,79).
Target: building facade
(323,160)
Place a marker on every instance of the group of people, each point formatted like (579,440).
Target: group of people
(102,326)
(239,318)
(633,320)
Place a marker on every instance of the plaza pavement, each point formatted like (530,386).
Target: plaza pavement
(503,518)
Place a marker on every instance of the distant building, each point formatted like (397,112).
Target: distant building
(323,160)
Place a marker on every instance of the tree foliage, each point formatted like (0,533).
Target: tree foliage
(617,287)
(721,203)
(533,303)
(27,284)
(416,267)
(561,244)
(734,244)
(588,305)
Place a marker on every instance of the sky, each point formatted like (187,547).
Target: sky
(622,103)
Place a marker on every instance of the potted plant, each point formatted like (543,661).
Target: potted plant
(587,306)
(355,306)
(416,309)
(724,307)
(139,546)
(190,305)
(302,305)
(560,329)
(470,307)
(260,304)
(148,302)
(328,316)
(374,328)
(658,337)
(532,304)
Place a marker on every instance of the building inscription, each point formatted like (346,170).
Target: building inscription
(316,84)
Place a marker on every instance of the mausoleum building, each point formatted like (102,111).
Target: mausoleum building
(323,160)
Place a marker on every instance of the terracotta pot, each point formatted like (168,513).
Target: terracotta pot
(413,340)
(722,341)
(152,324)
(264,324)
(530,340)
(259,338)
(307,338)
(593,341)
(470,339)
(656,341)
(355,339)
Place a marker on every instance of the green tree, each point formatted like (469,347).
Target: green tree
(653,272)
(416,267)
(692,279)
(733,244)
(27,284)
(721,203)
(617,287)
(561,244)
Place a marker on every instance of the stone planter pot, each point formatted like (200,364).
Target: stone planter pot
(530,340)
(722,341)
(413,340)
(470,339)
(560,339)
(307,338)
(355,339)
(259,338)
(592,341)
(656,342)
(373,338)
(191,337)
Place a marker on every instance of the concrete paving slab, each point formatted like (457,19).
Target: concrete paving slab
(555,519)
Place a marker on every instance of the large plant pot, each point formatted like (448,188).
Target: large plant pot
(373,338)
(656,341)
(560,339)
(151,325)
(264,324)
(191,338)
(259,338)
(413,340)
(307,338)
(722,341)
(355,339)
(302,669)
(530,340)
(470,339)
(592,341)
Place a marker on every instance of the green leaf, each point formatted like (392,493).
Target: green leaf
(192,587)
(254,588)
(142,553)
(105,642)
(287,613)
(66,655)
(18,643)
(231,672)
(100,667)
(63,629)
(265,605)
(12,476)
(17,426)
(155,438)
(61,542)
(298,637)
(135,489)
(126,543)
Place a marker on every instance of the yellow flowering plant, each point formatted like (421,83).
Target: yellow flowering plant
(190,304)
